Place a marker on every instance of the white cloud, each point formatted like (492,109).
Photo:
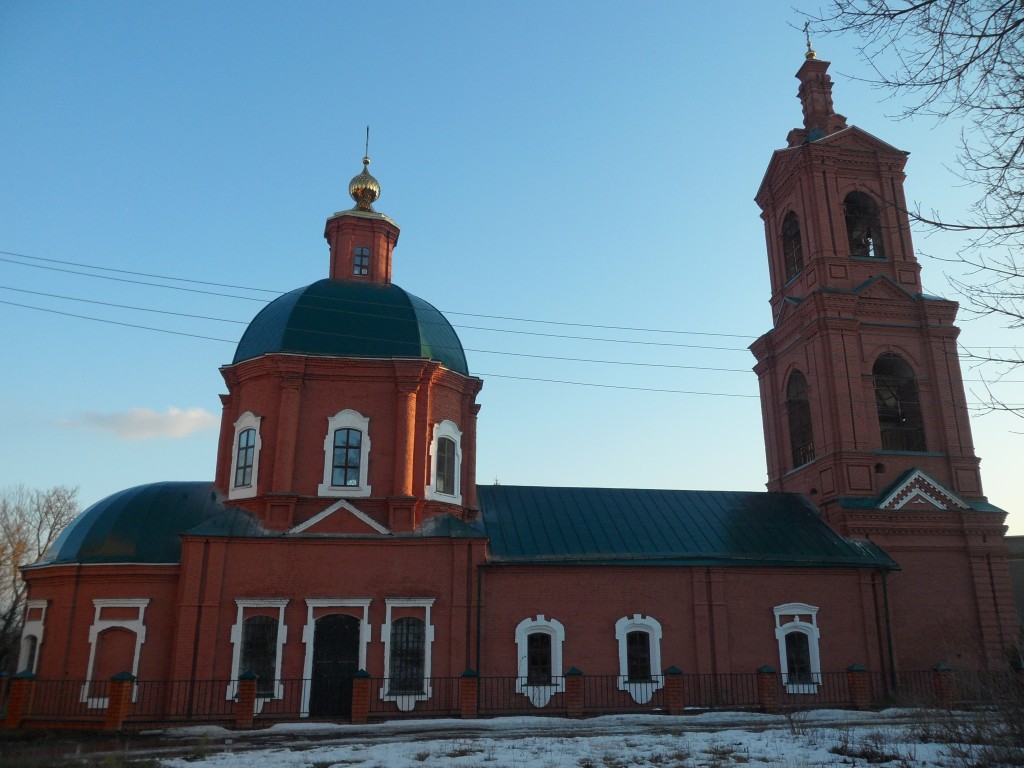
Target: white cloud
(145,423)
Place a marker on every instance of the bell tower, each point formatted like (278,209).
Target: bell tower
(862,397)
(860,380)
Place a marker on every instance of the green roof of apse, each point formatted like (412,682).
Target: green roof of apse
(350,318)
(139,525)
(624,526)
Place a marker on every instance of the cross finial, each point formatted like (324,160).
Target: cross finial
(807,33)
(366,154)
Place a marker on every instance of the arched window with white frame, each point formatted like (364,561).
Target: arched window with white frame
(32,635)
(346,455)
(539,650)
(446,463)
(639,639)
(245,457)
(796,630)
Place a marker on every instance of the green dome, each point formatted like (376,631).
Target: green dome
(144,525)
(349,318)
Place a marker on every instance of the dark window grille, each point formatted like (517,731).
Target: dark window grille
(244,459)
(792,248)
(361,262)
(863,228)
(538,659)
(638,656)
(445,480)
(798,409)
(798,659)
(408,646)
(899,409)
(347,455)
(259,652)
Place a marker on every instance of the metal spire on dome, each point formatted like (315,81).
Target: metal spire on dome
(364,189)
(809,55)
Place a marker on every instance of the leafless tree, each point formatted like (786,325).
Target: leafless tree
(961,59)
(30,520)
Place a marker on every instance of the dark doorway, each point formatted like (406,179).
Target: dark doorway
(335,663)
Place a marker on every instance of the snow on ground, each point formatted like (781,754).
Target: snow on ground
(719,739)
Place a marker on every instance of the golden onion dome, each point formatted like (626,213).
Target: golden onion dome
(364,189)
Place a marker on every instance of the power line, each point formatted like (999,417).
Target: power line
(122,306)
(615,386)
(278,293)
(451,312)
(115,322)
(972,406)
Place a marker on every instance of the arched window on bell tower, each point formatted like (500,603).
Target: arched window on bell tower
(798,410)
(863,228)
(899,407)
(792,247)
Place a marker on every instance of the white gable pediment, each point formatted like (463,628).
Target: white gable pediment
(357,522)
(919,491)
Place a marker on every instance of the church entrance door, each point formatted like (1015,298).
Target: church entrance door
(335,663)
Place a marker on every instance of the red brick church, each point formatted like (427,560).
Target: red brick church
(345,530)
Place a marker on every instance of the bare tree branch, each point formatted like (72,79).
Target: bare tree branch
(30,521)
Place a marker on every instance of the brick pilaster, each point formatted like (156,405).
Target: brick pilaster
(942,684)
(20,702)
(469,694)
(119,700)
(674,699)
(361,697)
(574,693)
(245,701)
(768,689)
(859,681)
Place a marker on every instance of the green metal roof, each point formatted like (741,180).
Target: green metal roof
(623,526)
(137,525)
(349,318)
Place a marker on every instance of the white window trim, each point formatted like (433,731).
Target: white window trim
(35,629)
(449,429)
(346,419)
(309,632)
(247,420)
(540,695)
(640,691)
(236,642)
(136,625)
(809,628)
(406,702)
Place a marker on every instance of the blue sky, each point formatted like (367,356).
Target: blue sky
(587,163)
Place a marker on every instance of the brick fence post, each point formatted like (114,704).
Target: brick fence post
(674,701)
(942,684)
(574,693)
(361,697)
(859,681)
(469,694)
(19,703)
(119,700)
(768,689)
(245,700)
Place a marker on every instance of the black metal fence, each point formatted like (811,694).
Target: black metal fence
(215,701)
